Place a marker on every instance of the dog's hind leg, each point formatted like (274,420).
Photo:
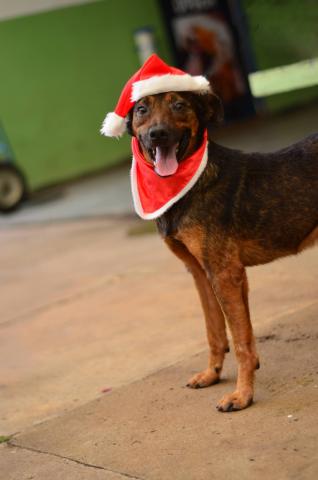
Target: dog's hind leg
(214,318)
(231,288)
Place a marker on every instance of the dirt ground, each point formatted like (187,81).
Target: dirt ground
(101,328)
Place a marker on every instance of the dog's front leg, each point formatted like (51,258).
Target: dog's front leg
(231,288)
(214,318)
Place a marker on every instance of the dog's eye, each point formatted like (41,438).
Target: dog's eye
(179,106)
(141,109)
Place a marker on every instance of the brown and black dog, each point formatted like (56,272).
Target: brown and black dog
(245,209)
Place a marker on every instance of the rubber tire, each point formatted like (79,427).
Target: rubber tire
(12,188)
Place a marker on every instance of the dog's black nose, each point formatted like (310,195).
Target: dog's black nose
(158,133)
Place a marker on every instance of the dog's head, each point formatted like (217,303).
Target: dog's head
(169,126)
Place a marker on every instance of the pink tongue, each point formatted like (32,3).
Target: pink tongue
(166,162)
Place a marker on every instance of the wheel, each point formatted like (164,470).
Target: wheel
(12,188)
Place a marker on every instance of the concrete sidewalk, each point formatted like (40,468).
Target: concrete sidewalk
(158,429)
(91,306)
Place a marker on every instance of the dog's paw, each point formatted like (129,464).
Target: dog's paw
(235,401)
(204,379)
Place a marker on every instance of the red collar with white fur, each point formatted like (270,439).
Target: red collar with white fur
(152,194)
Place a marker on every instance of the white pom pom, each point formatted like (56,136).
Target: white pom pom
(113,125)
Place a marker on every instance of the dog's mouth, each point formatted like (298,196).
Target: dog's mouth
(166,158)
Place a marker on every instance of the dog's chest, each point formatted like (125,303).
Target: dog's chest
(191,236)
(194,238)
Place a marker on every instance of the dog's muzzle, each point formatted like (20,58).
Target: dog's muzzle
(166,149)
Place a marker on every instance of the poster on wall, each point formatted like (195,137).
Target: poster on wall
(205,42)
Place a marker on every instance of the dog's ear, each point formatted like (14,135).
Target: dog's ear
(129,119)
(209,108)
(216,110)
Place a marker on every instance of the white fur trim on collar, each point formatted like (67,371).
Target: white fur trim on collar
(169,83)
(113,125)
(173,200)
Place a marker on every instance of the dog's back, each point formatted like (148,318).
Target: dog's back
(276,194)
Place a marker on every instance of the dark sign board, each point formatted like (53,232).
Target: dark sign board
(206,38)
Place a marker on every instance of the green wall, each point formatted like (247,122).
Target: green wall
(283,32)
(61,71)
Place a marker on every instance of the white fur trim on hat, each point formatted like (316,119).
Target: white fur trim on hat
(169,83)
(113,125)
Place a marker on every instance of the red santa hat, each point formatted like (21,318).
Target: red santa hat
(155,76)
